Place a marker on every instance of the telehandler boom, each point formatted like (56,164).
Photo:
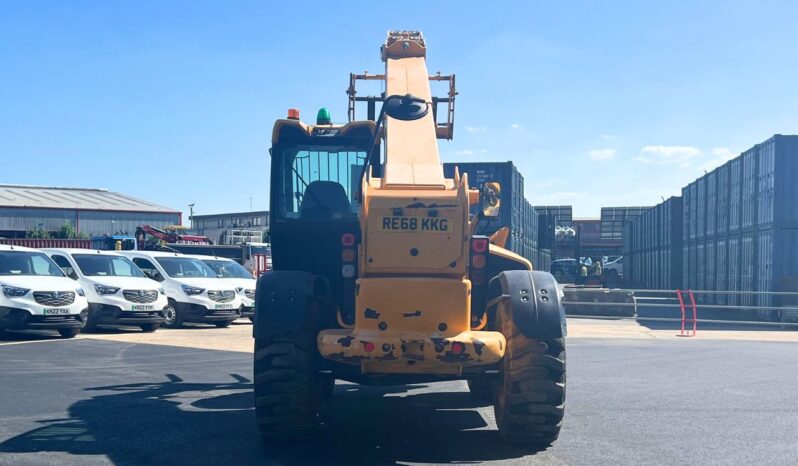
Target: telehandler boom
(379,277)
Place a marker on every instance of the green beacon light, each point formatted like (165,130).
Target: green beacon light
(323,117)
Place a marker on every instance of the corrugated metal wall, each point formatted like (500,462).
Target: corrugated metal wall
(91,222)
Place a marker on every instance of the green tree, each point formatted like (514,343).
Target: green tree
(67,231)
(37,233)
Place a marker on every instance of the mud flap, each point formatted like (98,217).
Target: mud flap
(283,302)
(534,301)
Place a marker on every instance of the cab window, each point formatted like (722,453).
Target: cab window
(148,268)
(65,266)
(321,183)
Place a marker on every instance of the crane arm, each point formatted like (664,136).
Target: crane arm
(411,147)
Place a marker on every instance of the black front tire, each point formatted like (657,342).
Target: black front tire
(68,332)
(223,324)
(289,392)
(149,328)
(172,316)
(529,401)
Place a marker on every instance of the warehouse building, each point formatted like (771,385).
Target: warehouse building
(90,211)
(232,228)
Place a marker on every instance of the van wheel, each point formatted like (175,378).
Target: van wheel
(148,328)
(223,324)
(68,332)
(172,318)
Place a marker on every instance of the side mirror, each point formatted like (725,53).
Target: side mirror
(73,275)
(490,199)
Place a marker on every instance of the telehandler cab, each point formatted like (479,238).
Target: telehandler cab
(379,277)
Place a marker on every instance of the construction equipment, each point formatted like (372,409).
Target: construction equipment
(380,278)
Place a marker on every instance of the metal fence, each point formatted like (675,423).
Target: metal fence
(689,308)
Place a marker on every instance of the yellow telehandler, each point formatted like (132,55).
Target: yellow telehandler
(379,277)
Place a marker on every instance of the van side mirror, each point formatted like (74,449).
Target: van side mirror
(490,199)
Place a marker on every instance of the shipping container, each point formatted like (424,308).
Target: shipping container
(735,268)
(735,193)
(710,267)
(748,281)
(777,263)
(777,187)
(711,204)
(721,269)
(516,213)
(48,243)
(701,208)
(750,178)
(723,198)
(693,189)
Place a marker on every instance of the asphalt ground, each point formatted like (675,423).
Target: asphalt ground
(631,400)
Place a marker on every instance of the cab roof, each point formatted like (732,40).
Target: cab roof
(82,251)
(11,247)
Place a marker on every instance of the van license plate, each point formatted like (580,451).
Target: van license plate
(416,224)
(223,306)
(53,312)
(142,307)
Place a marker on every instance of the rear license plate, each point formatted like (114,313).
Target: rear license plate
(53,312)
(142,307)
(223,306)
(416,224)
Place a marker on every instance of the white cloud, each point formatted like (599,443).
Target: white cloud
(669,155)
(516,126)
(720,155)
(607,137)
(601,154)
(476,129)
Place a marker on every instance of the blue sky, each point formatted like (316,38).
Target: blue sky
(598,103)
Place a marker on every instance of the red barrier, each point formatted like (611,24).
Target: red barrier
(684,312)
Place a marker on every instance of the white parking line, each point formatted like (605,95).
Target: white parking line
(9,343)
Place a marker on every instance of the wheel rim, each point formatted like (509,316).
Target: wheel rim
(169,315)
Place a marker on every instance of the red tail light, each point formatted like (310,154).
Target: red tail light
(479,245)
(348,239)
(479,259)
(458,347)
(368,346)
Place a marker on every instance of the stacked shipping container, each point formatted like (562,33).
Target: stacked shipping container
(516,212)
(652,247)
(739,230)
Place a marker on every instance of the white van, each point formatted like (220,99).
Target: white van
(194,292)
(36,294)
(117,290)
(240,277)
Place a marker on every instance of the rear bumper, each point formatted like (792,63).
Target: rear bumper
(412,353)
(20,319)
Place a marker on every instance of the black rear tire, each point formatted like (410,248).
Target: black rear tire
(529,401)
(223,324)
(289,392)
(68,332)
(149,328)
